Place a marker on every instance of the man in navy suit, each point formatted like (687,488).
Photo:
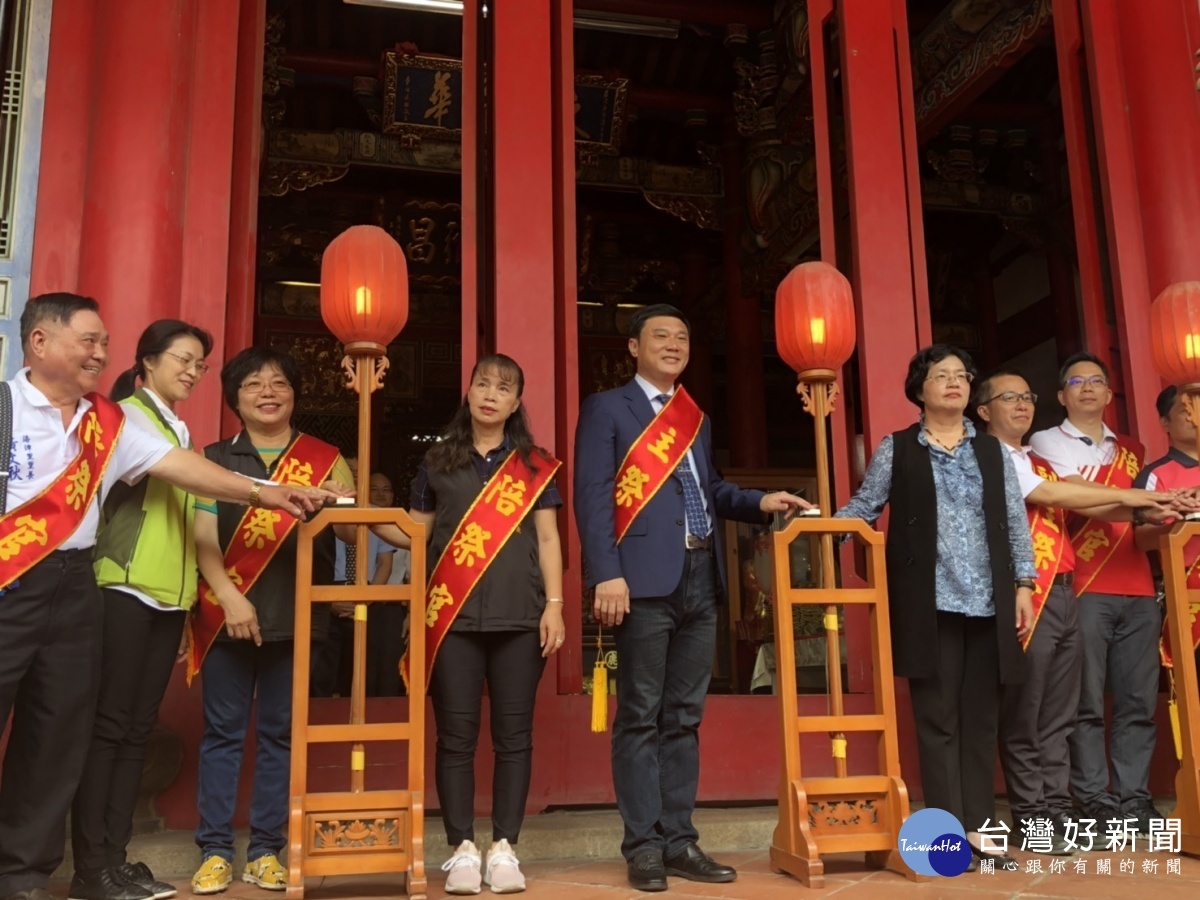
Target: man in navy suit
(658,587)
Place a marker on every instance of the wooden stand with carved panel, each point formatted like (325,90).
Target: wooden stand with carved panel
(1180,601)
(358,832)
(843,813)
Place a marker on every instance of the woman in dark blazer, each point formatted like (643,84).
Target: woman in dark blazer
(960,581)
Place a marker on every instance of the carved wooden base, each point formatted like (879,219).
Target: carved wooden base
(371,832)
(840,815)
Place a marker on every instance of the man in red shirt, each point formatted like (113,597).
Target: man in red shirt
(1179,469)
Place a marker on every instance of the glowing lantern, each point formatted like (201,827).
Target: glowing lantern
(1175,333)
(364,287)
(814,320)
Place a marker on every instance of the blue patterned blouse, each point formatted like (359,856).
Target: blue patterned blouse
(963,575)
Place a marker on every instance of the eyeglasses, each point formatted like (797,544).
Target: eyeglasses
(1096,381)
(277,385)
(945,378)
(1013,397)
(198,365)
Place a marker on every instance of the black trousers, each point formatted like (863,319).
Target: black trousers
(511,662)
(385,646)
(138,655)
(1037,717)
(49,671)
(956,716)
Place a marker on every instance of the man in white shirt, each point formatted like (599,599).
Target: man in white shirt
(1038,716)
(50,607)
(1119,618)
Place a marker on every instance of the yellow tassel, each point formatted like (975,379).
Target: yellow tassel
(839,748)
(599,690)
(1173,712)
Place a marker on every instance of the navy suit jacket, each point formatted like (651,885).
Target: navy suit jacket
(650,558)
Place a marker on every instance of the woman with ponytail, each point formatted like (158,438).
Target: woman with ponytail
(486,494)
(146,568)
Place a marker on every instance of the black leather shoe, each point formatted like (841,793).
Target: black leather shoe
(696,865)
(139,873)
(646,871)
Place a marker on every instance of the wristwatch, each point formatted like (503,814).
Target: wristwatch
(1026,583)
(254,492)
(1139,516)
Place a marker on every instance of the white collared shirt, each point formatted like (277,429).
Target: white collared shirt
(134,416)
(1027,478)
(1071,452)
(652,394)
(42,449)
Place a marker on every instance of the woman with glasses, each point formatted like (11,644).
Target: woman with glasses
(960,580)
(242,634)
(146,568)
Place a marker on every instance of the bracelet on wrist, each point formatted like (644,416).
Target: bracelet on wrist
(254,492)
(554,599)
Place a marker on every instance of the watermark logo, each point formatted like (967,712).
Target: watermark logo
(933,842)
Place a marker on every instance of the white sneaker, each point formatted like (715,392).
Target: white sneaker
(503,871)
(463,867)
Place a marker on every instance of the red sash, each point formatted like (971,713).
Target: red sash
(256,540)
(1106,560)
(492,519)
(38,527)
(1052,551)
(654,456)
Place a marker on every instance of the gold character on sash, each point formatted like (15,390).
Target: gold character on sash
(512,495)
(1092,541)
(1128,462)
(659,447)
(234,576)
(92,430)
(261,528)
(469,545)
(1048,520)
(28,531)
(439,596)
(296,472)
(629,488)
(1043,551)
(77,484)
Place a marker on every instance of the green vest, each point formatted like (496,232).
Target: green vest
(147,536)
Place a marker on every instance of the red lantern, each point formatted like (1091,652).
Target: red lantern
(1175,333)
(814,320)
(364,287)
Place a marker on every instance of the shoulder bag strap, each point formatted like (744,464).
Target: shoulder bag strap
(6,425)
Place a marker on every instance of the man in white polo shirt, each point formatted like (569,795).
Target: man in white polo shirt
(68,447)
(1119,617)
(1038,716)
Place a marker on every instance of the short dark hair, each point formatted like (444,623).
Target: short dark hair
(1075,359)
(254,359)
(983,387)
(646,313)
(1166,400)
(156,340)
(59,307)
(919,365)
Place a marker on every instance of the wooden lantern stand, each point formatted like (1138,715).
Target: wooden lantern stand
(845,813)
(359,831)
(1180,601)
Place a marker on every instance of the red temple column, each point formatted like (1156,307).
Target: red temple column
(134,198)
(1160,48)
(745,399)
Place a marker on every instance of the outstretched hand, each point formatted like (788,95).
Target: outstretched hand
(782,501)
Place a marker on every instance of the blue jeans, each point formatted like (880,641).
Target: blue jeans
(665,652)
(232,671)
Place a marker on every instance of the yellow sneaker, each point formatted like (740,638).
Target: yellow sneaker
(267,872)
(214,875)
